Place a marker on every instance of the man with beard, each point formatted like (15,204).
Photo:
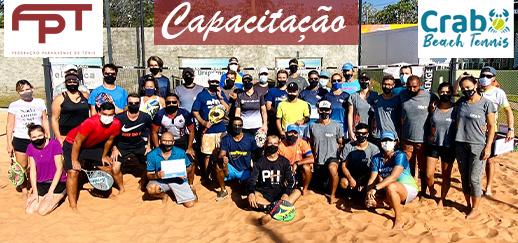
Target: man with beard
(189,90)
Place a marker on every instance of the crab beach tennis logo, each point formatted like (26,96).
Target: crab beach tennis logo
(466,29)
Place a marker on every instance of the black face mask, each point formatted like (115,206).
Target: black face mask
(236,131)
(281,84)
(291,139)
(155,71)
(445,98)
(468,93)
(412,93)
(313,84)
(387,90)
(188,80)
(72,87)
(361,139)
(133,109)
(248,85)
(324,115)
(291,97)
(171,109)
(293,68)
(38,142)
(229,82)
(364,85)
(272,149)
(109,79)
(347,76)
(213,87)
(166,148)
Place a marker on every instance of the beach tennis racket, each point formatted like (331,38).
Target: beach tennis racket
(260,138)
(216,115)
(99,179)
(16,173)
(281,210)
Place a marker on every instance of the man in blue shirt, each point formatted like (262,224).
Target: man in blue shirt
(350,84)
(234,161)
(160,183)
(273,98)
(212,133)
(108,92)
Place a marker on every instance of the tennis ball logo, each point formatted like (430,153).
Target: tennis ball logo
(498,22)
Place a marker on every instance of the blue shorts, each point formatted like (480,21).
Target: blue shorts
(233,173)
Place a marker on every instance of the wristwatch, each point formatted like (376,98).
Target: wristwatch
(375,188)
(510,129)
(296,163)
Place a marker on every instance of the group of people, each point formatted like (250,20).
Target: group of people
(321,133)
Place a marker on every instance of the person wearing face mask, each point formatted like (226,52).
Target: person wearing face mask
(150,102)
(292,111)
(70,69)
(356,159)
(312,94)
(262,86)
(231,91)
(273,98)
(133,138)
(324,80)
(390,179)
(361,105)
(89,145)
(294,77)
(233,65)
(475,134)
(415,103)
(387,112)
(441,142)
(271,180)
(326,137)
(69,109)
(23,111)
(251,108)
(155,65)
(235,156)
(338,99)
(48,179)
(404,73)
(350,85)
(210,140)
(298,152)
(188,91)
(108,92)
(159,185)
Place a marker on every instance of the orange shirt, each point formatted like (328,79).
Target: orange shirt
(295,152)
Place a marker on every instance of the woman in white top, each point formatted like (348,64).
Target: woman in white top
(150,102)
(22,112)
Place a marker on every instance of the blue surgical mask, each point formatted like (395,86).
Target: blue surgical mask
(263,79)
(337,86)
(150,92)
(404,78)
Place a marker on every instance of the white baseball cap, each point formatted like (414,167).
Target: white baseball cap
(214,76)
(70,67)
(263,70)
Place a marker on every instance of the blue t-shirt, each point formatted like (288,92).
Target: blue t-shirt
(351,87)
(398,159)
(312,97)
(100,95)
(239,154)
(397,90)
(224,78)
(164,85)
(276,96)
(155,158)
(339,106)
(203,103)
(176,125)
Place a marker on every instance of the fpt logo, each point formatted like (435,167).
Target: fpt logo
(465,29)
(53,28)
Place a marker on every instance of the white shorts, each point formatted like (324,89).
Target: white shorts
(182,192)
(411,193)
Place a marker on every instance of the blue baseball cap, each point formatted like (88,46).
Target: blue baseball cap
(325,74)
(293,127)
(388,135)
(347,66)
(488,69)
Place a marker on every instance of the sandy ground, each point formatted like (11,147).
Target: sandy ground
(132,219)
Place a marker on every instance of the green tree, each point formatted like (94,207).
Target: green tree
(126,13)
(403,12)
(368,13)
(1,13)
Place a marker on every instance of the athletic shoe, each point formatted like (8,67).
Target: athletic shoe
(222,195)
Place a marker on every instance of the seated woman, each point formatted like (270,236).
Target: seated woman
(390,171)
(48,179)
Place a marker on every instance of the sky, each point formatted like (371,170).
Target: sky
(380,4)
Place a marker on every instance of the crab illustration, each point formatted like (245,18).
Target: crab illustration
(498,22)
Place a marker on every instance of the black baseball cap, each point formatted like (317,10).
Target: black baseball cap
(293,87)
(188,70)
(248,77)
(364,76)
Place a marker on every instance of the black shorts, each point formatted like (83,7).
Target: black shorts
(182,142)
(270,194)
(93,155)
(252,131)
(447,154)
(139,154)
(20,144)
(43,188)
(321,173)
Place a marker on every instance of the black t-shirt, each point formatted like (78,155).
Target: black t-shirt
(131,133)
(271,174)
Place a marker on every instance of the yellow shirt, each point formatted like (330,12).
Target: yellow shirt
(289,112)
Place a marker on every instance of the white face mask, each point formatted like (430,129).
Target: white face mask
(404,78)
(485,81)
(233,67)
(263,79)
(323,82)
(106,120)
(387,146)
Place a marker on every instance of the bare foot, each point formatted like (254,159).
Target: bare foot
(164,199)
(398,224)
(74,209)
(332,199)
(121,191)
(440,204)
(473,214)
(264,219)
(488,191)
(422,197)
(305,191)
(25,194)
(433,192)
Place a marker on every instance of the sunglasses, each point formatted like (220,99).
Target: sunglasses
(213,82)
(336,81)
(361,133)
(174,102)
(313,79)
(133,103)
(486,76)
(72,81)
(237,125)
(110,74)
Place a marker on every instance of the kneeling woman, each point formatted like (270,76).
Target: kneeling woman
(390,171)
(46,172)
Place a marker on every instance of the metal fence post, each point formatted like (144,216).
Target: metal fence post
(453,70)
(48,89)
(108,30)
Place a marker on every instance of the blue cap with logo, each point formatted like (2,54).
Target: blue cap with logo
(347,66)
(325,74)
(293,127)
(488,69)
(388,135)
